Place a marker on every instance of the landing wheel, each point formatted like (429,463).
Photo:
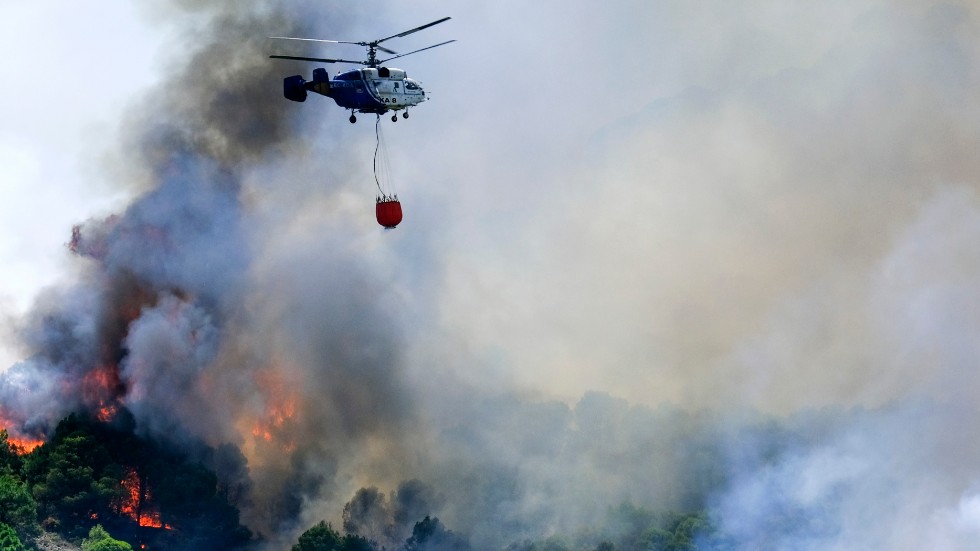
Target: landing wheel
(394,118)
(352,118)
(405,115)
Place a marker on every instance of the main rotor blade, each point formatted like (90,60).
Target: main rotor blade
(323,60)
(416,51)
(416,29)
(309,39)
(382,48)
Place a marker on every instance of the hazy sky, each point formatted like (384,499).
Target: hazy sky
(69,69)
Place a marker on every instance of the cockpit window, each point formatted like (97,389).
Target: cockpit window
(409,85)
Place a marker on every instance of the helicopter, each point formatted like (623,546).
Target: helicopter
(373,89)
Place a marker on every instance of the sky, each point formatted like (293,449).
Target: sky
(67,76)
(612,213)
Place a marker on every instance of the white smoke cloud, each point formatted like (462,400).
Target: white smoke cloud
(170,347)
(718,226)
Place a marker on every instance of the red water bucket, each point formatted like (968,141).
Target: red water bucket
(389,212)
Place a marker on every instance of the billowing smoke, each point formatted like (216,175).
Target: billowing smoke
(735,270)
(174,319)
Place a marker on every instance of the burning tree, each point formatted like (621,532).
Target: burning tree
(138,503)
(12,448)
(92,472)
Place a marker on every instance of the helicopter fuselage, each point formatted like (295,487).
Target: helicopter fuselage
(369,90)
(373,89)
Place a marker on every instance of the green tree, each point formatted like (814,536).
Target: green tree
(73,480)
(680,532)
(17,507)
(321,537)
(686,530)
(9,540)
(655,539)
(100,540)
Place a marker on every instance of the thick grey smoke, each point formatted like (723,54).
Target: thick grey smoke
(618,245)
(180,319)
(778,215)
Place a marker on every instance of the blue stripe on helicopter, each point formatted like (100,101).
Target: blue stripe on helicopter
(351,98)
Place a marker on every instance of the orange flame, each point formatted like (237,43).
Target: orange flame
(107,412)
(282,404)
(130,505)
(151,520)
(276,416)
(100,387)
(137,504)
(23,446)
(19,443)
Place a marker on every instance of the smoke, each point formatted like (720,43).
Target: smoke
(715,215)
(161,322)
(389,521)
(734,270)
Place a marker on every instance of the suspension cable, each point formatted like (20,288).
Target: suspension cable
(377,144)
(387,191)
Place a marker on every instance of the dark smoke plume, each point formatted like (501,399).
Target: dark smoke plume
(163,322)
